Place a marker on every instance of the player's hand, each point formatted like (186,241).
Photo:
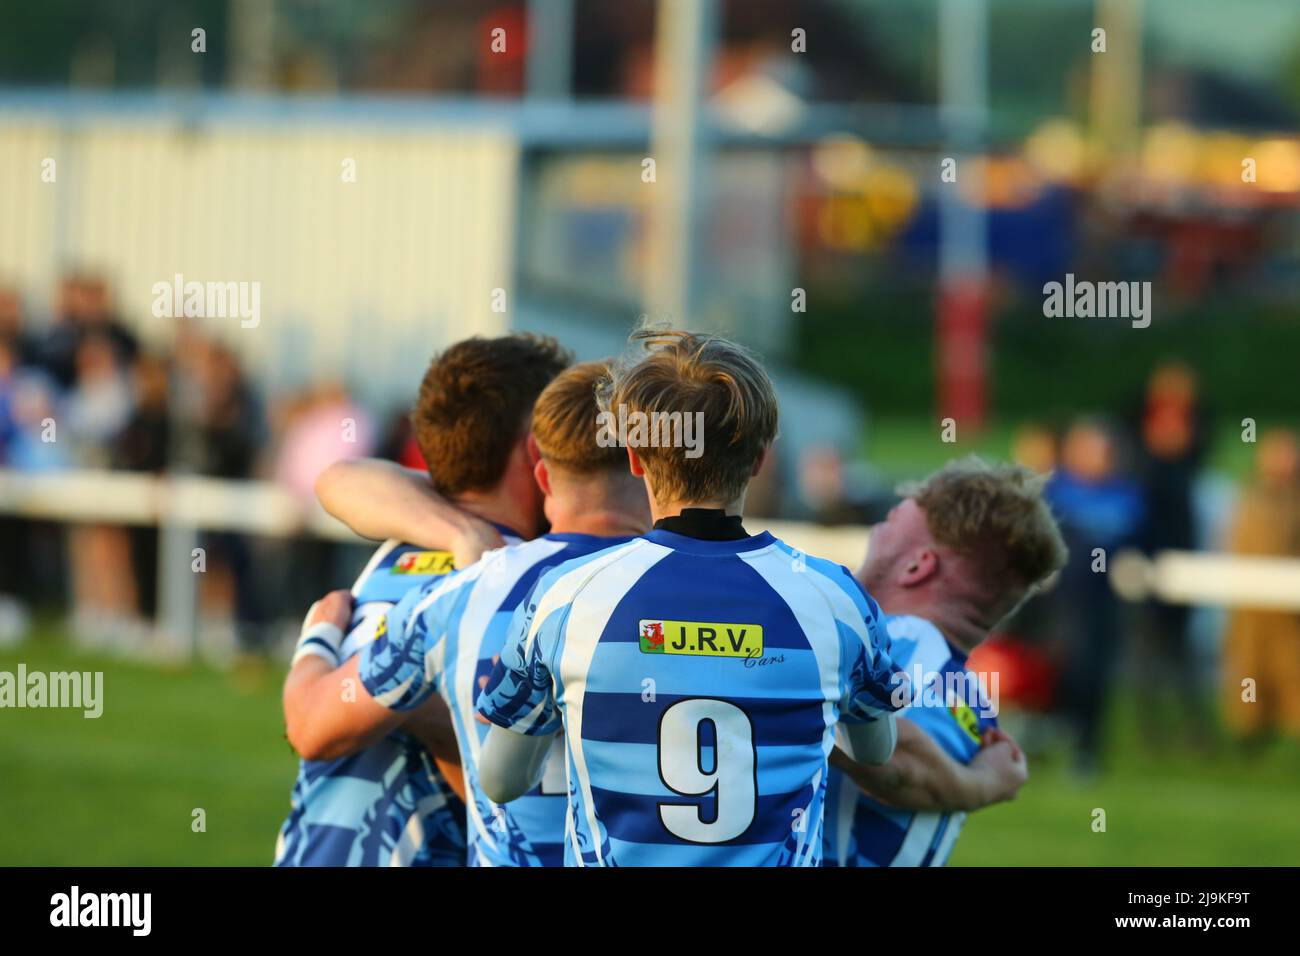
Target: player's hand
(475,537)
(1004,763)
(997,735)
(334,608)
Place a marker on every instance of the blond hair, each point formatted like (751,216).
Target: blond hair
(672,372)
(564,422)
(995,516)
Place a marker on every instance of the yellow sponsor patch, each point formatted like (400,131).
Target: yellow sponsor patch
(424,562)
(701,638)
(382,627)
(966,720)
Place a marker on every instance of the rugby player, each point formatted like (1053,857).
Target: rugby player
(445,637)
(698,672)
(963,550)
(378,799)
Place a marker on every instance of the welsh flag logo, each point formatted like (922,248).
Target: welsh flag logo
(652,637)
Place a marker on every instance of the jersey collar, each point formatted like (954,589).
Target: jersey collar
(706,524)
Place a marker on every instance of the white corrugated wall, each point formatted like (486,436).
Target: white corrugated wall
(360,280)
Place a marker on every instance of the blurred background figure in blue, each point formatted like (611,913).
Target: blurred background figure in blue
(1101,510)
(1172,434)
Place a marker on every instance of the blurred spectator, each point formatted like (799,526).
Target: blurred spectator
(1263,646)
(99,404)
(323,429)
(229,424)
(95,410)
(1101,511)
(142,445)
(825,487)
(318,428)
(12,328)
(226,430)
(766,489)
(1172,437)
(31,399)
(31,552)
(83,308)
(1034,446)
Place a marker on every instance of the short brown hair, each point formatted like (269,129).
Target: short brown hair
(995,516)
(675,372)
(475,402)
(564,421)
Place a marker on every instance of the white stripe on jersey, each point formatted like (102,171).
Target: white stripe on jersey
(944,850)
(381,552)
(810,607)
(363,630)
(409,843)
(919,837)
(503,568)
(581,636)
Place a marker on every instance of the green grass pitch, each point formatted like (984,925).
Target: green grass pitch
(122,789)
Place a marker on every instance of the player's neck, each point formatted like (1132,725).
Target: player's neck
(595,508)
(959,628)
(962,633)
(500,508)
(602,523)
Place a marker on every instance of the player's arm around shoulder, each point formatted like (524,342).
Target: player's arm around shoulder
(334,709)
(380,499)
(327,711)
(921,776)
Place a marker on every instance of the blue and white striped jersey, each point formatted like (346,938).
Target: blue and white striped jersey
(698,684)
(446,638)
(387,805)
(950,705)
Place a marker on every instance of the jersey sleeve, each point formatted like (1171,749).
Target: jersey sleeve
(393,665)
(874,684)
(520,693)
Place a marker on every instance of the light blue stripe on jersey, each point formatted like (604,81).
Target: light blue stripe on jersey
(861,831)
(633,716)
(445,639)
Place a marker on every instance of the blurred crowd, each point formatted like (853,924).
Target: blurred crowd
(1135,480)
(80,391)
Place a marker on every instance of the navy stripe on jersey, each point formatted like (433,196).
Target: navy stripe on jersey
(629,719)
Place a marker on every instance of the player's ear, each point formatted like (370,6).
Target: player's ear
(543,477)
(534,453)
(634,463)
(919,567)
(758,465)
